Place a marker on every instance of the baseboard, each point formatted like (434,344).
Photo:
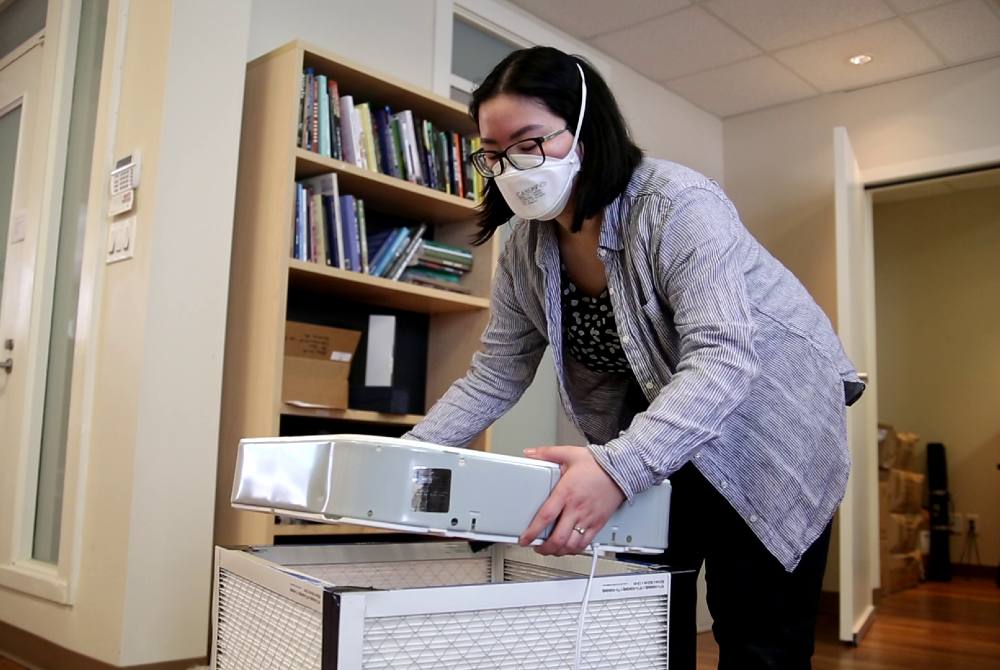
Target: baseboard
(36,653)
(973,571)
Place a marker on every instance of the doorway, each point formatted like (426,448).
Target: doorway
(937,288)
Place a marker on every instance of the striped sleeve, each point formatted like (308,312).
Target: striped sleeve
(501,371)
(698,262)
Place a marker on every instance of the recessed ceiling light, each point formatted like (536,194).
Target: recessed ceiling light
(860,59)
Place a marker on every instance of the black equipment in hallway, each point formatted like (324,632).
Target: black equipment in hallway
(939,563)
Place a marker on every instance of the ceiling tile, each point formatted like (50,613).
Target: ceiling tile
(897,51)
(775,24)
(742,87)
(910,6)
(586,18)
(962,31)
(684,42)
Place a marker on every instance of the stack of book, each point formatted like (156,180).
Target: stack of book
(333,229)
(329,228)
(375,138)
(440,266)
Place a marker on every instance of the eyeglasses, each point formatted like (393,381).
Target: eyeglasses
(529,154)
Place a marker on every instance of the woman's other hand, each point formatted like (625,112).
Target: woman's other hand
(585,498)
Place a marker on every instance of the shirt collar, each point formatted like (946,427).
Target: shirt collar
(611,226)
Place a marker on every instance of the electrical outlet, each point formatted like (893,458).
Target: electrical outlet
(972,524)
(956,523)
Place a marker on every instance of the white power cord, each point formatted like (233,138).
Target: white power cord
(581,621)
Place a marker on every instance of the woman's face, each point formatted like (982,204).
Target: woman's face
(507,119)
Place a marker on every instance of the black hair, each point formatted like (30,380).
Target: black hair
(550,76)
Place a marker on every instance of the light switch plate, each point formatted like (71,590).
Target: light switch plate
(121,240)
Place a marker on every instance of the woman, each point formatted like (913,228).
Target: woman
(682,349)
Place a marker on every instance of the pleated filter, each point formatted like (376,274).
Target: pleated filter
(435,606)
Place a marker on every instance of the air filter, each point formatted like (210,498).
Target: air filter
(417,487)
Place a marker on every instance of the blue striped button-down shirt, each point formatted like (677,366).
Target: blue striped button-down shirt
(743,372)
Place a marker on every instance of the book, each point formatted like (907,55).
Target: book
(349,226)
(384,246)
(334,245)
(299,236)
(397,147)
(441,266)
(409,146)
(434,274)
(336,143)
(392,252)
(412,246)
(456,158)
(428,151)
(367,137)
(375,243)
(444,156)
(447,252)
(322,251)
(326,185)
(383,129)
(362,234)
(301,138)
(413,278)
(324,116)
(347,132)
(314,116)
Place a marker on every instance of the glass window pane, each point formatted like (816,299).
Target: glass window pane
(80,150)
(19,20)
(458,95)
(474,51)
(10,126)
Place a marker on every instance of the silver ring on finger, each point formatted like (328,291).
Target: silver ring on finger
(581,531)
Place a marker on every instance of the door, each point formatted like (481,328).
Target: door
(858,520)
(21,176)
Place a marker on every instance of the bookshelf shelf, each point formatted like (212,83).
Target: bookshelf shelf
(305,530)
(267,285)
(379,291)
(359,415)
(394,195)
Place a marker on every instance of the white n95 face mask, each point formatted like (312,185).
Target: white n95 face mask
(541,193)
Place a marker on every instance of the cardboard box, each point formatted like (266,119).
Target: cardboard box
(903,533)
(904,572)
(896,450)
(906,491)
(317,365)
(886,446)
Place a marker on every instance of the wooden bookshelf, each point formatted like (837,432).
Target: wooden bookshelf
(357,415)
(264,277)
(381,292)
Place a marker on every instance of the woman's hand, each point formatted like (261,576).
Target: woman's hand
(584,498)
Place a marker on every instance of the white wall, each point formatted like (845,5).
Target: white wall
(147,403)
(779,162)
(938,289)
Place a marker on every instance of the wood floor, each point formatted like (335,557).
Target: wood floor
(932,627)
(936,626)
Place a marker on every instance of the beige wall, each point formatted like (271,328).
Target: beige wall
(938,292)
(147,413)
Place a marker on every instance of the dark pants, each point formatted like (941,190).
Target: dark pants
(764,616)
